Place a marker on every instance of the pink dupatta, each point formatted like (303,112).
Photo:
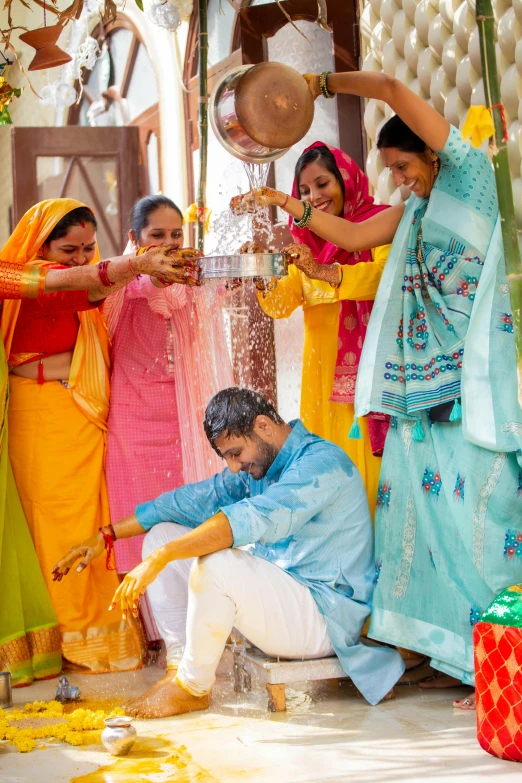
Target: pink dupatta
(354,315)
(200,363)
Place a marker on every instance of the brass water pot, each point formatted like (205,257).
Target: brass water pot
(259,111)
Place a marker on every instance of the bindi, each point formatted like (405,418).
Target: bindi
(82,223)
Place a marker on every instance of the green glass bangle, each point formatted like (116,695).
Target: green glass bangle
(323,85)
(307,216)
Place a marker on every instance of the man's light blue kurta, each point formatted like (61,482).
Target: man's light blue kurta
(310,517)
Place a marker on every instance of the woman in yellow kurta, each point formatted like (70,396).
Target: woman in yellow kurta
(336,291)
(58,356)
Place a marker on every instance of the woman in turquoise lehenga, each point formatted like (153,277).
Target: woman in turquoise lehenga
(439,357)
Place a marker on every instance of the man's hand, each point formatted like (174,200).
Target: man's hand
(88,550)
(312,80)
(136,582)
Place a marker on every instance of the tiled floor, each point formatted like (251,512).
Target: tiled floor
(325,737)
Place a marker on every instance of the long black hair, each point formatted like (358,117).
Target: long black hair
(76,217)
(395,133)
(323,157)
(142,209)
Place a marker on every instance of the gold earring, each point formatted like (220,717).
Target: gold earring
(436,163)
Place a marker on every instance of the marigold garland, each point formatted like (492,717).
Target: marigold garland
(81,727)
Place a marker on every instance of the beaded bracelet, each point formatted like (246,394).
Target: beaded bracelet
(323,85)
(307,216)
(102,274)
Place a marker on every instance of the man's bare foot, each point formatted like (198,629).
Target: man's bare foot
(439,681)
(164,699)
(470,703)
(153,688)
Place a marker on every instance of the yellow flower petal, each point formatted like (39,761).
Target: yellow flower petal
(479,125)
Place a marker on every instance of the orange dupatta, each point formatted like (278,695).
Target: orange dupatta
(89,377)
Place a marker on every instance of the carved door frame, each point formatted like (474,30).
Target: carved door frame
(75,142)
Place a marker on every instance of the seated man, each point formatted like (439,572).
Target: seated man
(303,590)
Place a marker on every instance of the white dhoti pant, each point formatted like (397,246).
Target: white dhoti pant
(197,602)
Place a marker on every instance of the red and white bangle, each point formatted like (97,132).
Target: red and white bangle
(109,537)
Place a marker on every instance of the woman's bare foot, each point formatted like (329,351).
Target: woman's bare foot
(164,699)
(390,695)
(470,703)
(439,681)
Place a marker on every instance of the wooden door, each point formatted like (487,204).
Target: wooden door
(99,166)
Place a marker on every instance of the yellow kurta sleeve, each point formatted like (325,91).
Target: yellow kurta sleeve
(361,281)
(286,297)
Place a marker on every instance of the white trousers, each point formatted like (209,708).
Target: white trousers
(196,603)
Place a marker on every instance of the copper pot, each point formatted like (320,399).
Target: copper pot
(259,111)
(48,54)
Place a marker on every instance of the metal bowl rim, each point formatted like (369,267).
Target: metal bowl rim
(118,721)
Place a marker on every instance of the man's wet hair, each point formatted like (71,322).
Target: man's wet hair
(234,411)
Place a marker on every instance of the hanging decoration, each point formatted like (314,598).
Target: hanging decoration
(59,94)
(48,54)
(7,93)
(165,14)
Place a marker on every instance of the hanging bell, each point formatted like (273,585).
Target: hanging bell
(48,54)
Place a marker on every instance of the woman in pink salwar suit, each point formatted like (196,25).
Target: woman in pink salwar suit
(169,358)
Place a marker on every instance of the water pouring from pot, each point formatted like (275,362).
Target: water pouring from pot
(257,113)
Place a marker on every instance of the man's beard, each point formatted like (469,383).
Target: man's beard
(266,454)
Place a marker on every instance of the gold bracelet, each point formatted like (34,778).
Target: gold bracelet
(338,284)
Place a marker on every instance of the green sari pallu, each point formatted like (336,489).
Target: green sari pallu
(29,633)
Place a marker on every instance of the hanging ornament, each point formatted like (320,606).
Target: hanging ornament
(164,13)
(88,53)
(58,94)
(48,54)
(7,93)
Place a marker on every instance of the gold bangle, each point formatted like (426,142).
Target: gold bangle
(338,284)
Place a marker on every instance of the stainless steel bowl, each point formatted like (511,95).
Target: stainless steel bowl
(243,265)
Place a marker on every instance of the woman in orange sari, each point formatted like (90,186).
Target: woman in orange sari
(58,356)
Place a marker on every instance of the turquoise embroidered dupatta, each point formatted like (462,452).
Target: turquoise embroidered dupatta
(441,326)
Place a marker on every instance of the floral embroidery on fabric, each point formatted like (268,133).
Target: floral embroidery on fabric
(512,426)
(378,566)
(474,615)
(384,495)
(408,549)
(350,322)
(513,545)
(458,492)
(479,517)
(505,323)
(504,288)
(431,482)
(393,422)
(407,435)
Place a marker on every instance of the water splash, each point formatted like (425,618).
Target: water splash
(257,174)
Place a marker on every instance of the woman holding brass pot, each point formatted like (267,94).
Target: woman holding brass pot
(439,358)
